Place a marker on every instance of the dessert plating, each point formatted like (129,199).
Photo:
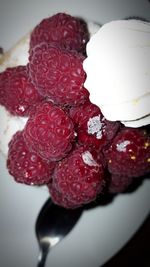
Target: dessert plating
(63,140)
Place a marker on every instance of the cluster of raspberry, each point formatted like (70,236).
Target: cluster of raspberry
(67,143)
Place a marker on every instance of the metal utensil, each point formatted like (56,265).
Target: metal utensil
(53,224)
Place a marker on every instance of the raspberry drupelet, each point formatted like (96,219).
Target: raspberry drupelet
(91,126)
(49,132)
(58,74)
(67,143)
(70,32)
(119,183)
(79,177)
(17,93)
(61,199)
(129,153)
(25,166)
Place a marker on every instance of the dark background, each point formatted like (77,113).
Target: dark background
(137,250)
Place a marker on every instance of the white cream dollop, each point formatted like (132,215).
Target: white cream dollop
(118,71)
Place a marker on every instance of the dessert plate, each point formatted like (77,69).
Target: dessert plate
(103,229)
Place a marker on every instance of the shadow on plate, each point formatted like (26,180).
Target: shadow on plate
(107,198)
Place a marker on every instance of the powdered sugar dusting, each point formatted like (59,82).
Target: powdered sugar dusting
(88,159)
(95,126)
(122,146)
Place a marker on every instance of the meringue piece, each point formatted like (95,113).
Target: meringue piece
(17,55)
(126,111)
(93,27)
(118,70)
(137,123)
(9,125)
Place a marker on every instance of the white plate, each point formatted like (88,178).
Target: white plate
(101,231)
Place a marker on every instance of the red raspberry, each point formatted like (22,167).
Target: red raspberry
(19,93)
(69,32)
(79,176)
(91,126)
(60,199)
(58,74)
(83,112)
(25,166)
(49,132)
(129,153)
(119,183)
(4,78)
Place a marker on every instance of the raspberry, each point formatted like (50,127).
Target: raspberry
(129,153)
(60,199)
(25,166)
(4,78)
(79,176)
(19,93)
(119,183)
(83,112)
(69,32)
(49,132)
(91,126)
(58,74)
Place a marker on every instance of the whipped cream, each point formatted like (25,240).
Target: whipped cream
(118,71)
(18,55)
